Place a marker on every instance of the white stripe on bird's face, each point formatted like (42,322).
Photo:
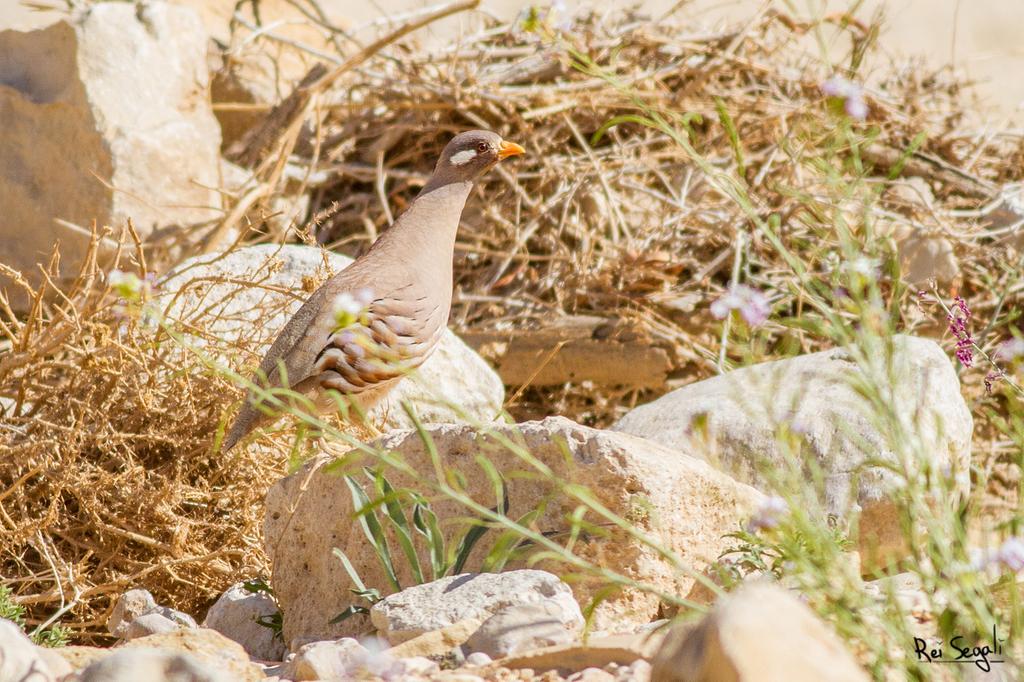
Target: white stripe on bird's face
(463,157)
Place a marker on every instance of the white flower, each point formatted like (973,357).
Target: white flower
(364,296)
(862,265)
(346,308)
(751,303)
(127,284)
(851,94)
(559,11)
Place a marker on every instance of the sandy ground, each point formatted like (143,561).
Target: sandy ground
(983,38)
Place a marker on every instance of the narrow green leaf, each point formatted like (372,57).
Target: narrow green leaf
(426,523)
(348,613)
(507,543)
(469,540)
(732,134)
(373,531)
(617,120)
(497,482)
(396,515)
(353,575)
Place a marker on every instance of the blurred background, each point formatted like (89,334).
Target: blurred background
(980,38)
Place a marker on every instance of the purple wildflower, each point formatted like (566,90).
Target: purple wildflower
(856,108)
(1011,350)
(752,304)
(1011,554)
(852,95)
(958,318)
(768,514)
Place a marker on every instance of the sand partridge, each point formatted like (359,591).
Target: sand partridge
(384,314)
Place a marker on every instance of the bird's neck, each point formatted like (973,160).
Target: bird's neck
(426,230)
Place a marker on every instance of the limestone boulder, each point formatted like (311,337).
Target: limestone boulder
(740,420)
(442,603)
(104,116)
(244,298)
(760,633)
(152,665)
(679,501)
(327,660)
(520,628)
(237,614)
(211,650)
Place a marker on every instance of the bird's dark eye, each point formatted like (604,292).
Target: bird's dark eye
(482,146)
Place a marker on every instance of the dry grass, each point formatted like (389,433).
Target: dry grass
(107,478)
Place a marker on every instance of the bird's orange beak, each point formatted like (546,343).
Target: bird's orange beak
(507,149)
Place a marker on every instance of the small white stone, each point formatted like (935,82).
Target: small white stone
(149,624)
(478,658)
(419,665)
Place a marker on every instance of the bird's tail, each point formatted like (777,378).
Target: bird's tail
(248,418)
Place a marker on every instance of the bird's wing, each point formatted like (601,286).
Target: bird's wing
(295,347)
(396,335)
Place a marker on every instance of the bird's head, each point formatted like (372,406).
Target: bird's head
(470,154)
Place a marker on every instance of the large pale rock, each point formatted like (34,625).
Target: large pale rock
(437,642)
(236,614)
(253,291)
(349,659)
(520,628)
(442,603)
(761,633)
(20,659)
(210,649)
(681,502)
(328,660)
(737,421)
(152,665)
(106,117)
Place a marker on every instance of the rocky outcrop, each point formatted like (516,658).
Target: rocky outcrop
(742,420)
(106,117)
(680,502)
